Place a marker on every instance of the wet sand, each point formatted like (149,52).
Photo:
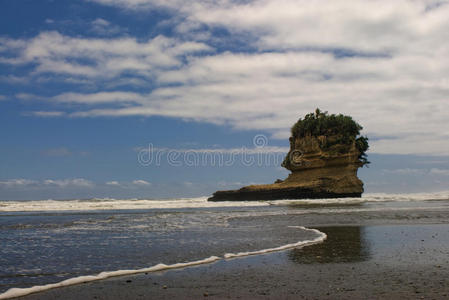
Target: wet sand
(368,255)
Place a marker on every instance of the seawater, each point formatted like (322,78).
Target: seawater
(50,243)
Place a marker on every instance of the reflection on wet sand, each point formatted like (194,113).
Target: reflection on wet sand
(343,244)
(300,204)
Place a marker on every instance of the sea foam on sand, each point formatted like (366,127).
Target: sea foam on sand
(19,292)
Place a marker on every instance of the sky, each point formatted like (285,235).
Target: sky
(171,98)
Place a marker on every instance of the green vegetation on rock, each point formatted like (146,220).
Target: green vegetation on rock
(337,133)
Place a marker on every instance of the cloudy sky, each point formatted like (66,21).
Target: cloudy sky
(88,87)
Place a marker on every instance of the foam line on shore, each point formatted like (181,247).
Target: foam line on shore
(322,236)
(20,292)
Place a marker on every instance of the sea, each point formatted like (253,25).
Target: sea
(52,243)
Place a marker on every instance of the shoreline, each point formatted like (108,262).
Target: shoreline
(161,267)
(336,268)
(291,274)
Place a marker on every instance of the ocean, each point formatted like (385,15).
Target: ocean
(51,243)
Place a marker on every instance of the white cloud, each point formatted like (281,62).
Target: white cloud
(418,172)
(113,183)
(222,184)
(376,91)
(55,53)
(406,171)
(27,96)
(62,183)
(102,97)
(371,26)
(241,150)
(103,27)
(396,85)
(14,79)
(47,114)
(18,182)
(141,182)
(141,4)
(101,22)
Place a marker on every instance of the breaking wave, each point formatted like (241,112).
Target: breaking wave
(200,202)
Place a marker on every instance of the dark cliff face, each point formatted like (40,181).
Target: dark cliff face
(322,166)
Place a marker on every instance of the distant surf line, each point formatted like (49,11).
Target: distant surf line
(199,202)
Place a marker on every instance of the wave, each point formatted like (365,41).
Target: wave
(20,292)
(114,204)
(200,202)
(321,237)
(366,198)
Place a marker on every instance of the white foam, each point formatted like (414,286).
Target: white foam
(368,209)
(201,202)
(368,197)
(19,292)
(108,204)
(321,237)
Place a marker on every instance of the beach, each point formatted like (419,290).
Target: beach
(373,250)
(295,274)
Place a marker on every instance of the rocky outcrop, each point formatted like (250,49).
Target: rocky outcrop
(320,166)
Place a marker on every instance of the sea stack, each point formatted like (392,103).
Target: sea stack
(325,154)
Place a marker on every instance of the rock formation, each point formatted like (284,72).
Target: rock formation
(325,154)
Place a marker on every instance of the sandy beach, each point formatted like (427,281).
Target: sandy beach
(399,253)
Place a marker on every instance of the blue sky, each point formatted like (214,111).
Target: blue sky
(87,85)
